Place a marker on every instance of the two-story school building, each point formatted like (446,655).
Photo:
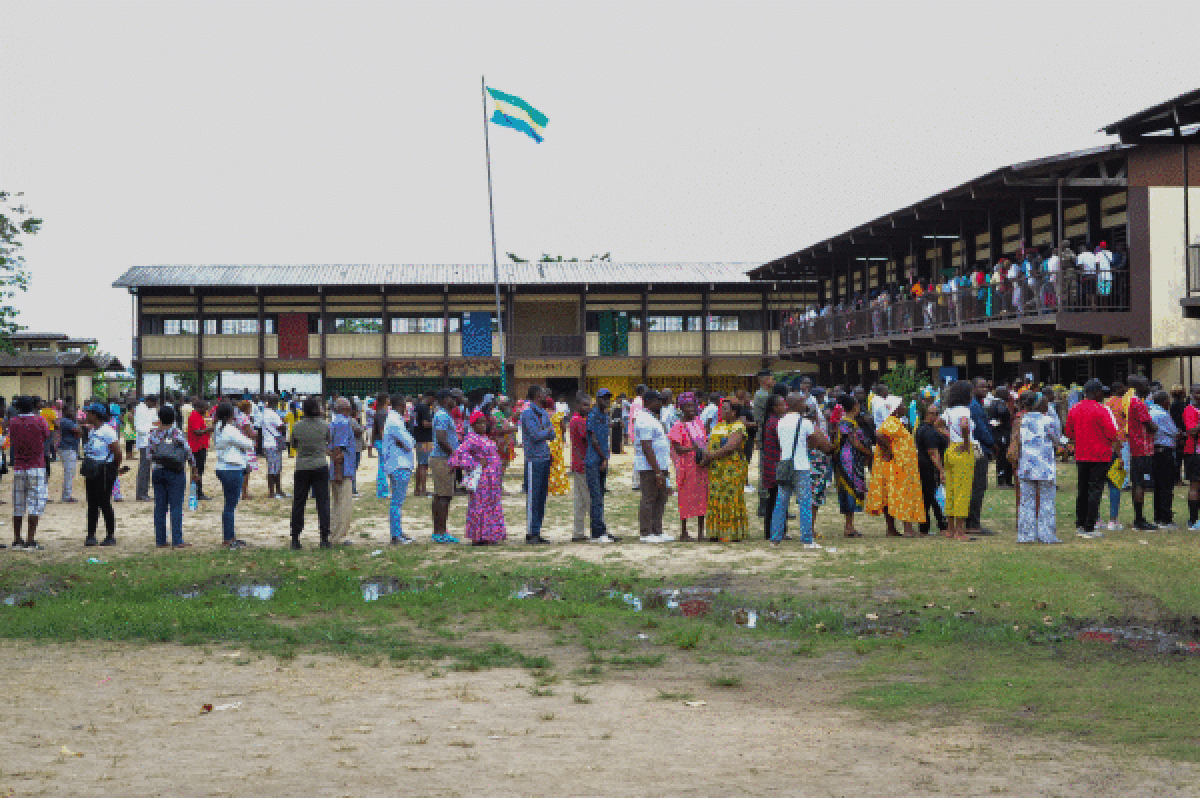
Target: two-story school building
(1133,309)
(408,328)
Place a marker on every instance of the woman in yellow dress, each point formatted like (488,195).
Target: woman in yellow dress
(726,517)
(290,420)
(895,489)
(559,485)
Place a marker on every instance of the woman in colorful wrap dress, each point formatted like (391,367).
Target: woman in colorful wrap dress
(850,455)
(688,437)
(559,485)
(726,463)
(485,515)
(895,490)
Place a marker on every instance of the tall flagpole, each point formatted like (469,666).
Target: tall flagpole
(487,148)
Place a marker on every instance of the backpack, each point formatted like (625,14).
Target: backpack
(169,454)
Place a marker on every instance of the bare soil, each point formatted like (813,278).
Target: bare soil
(103,719)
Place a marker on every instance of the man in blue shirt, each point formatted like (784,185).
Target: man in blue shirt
(537,430)
(341,473)
(445,441)
(1165,470)
(595,463)
(398,454)
(983,435)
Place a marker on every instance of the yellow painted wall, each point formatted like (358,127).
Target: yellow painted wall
(10,387)
(83,387)
(173,346)
(230,346)
(676,343)
(355,345)
(409,344)
(735,343)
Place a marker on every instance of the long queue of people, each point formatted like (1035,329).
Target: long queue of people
(916,461)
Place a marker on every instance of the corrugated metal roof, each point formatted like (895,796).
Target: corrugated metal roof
(25,335)
(35,360)
(565,273)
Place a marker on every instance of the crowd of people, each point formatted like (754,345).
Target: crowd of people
(1035,280)
(918,461)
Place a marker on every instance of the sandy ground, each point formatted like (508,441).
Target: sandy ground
(104,720)
(330,727)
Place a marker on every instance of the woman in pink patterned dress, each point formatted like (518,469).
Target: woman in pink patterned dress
(687,437)
(485,515)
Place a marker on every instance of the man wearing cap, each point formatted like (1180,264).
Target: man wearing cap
(1093,431)
(595,463)
(537,430)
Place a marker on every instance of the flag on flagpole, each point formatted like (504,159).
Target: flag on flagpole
(512,111)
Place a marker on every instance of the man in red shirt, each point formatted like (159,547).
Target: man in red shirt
(27,434)
(579,488)
(1191,457)
(1091,427)
(1141,449)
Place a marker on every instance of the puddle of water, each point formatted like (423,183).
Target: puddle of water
(261,592)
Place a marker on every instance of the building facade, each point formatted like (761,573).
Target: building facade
(52,366)
(409,328)
(890,291)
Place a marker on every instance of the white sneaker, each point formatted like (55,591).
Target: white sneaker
(1095,535)
(751,489)
(1168,526)
(651,539)
(1081,532)
(664,538)
(1115,526)
(1195,527)
(812,545)
(604,539)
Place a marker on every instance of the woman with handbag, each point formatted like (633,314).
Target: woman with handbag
(483,470)
(171,457)
(101,458)
(689,441)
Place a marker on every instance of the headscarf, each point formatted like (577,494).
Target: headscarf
(685,397)
(478,415)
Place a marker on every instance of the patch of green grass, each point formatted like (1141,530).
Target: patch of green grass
(727,680)
(1077,690)
(671,695)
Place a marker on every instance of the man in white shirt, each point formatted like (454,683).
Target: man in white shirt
(651,466)
(879,406)
(797,433)
(271,434)
(668,415)
(635,409)
(1104,277)
(145,416)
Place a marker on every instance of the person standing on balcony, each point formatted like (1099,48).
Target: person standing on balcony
(1104,275)
(982,434)
(1086,263)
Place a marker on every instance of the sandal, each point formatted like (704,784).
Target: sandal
(852,534)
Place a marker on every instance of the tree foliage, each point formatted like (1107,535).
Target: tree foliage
(16,223)
(189,386)
(903,380)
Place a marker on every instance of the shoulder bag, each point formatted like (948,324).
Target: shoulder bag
(785,470)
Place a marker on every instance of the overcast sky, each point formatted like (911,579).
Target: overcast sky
(353,133)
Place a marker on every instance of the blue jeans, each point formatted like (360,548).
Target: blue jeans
(169,487)
(381,478)
(538,472)
(801,485)
(398,482)
(596,480)
(231,484)
(1114,500)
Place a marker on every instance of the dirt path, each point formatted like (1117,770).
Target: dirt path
(325,727)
